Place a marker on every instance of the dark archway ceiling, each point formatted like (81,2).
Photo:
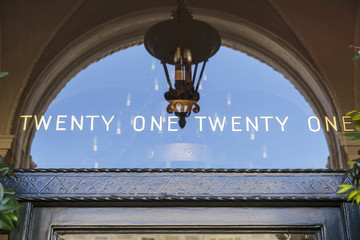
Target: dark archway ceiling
(33,33)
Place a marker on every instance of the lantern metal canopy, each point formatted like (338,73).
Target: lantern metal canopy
(184,42)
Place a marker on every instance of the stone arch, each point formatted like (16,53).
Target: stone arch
(126,31)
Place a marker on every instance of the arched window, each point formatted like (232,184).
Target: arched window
(113,115)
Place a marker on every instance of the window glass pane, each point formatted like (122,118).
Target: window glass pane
(113,115)
(252,236)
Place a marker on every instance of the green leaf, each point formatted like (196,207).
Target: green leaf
(1,191)
(357,125)
(354,136)
(345,188)
(18,213)
(5,222)
(351,112)
(9,203)
(356,117)
(11,173)
(3,74)
(4,171)
(355,173)
(357,57)
(357,199)
(9,191)
(354,161)
(352,194)
(7,170)
(12,216)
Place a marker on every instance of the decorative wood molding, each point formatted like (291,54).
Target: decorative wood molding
(175,184)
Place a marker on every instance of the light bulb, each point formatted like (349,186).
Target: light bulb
(95,146)
(264,155)
(118,127)
(252,136)
(153,65)
(156,85)
(187,55)
(177,55)
(128,100)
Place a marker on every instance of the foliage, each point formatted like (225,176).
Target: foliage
(3,74)
(357,57)
(10,208)
(354,172)
(355,116)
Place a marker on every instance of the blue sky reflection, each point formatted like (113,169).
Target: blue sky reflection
(131,83)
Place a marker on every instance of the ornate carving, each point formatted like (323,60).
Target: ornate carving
(175,184)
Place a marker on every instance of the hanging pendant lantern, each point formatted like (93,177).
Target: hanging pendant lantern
(185,43)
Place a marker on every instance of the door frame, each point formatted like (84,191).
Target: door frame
(307,194)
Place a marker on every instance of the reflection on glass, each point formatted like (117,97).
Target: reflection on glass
(252,236)
(250,117)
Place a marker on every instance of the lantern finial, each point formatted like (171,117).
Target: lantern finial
(185,43)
